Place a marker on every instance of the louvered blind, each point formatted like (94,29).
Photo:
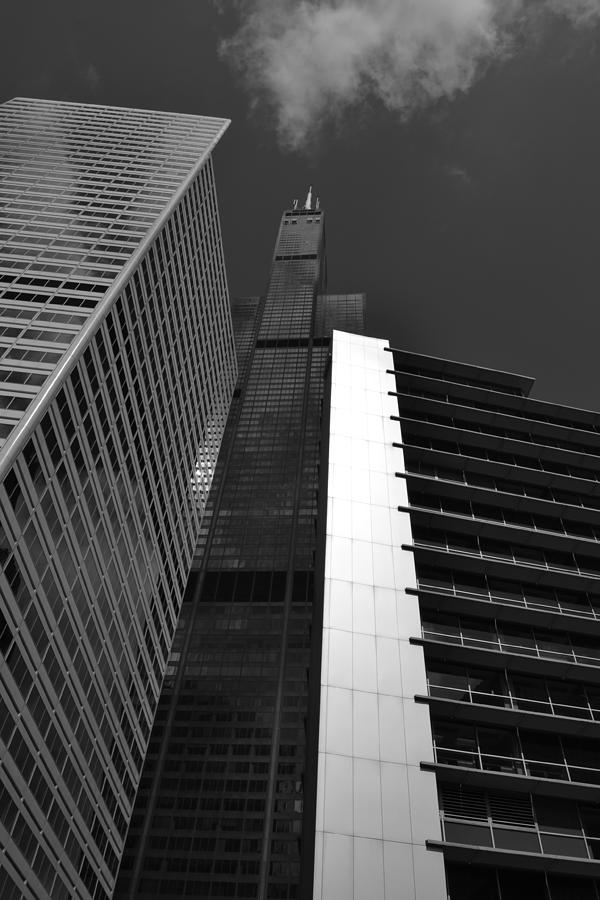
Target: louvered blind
(461,802)
(511,809)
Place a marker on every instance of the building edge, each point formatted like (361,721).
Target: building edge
(34,414)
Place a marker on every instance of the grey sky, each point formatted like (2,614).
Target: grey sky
(472,225)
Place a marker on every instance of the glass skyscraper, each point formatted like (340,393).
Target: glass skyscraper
(116,373)
(222,806)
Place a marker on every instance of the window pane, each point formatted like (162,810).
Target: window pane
(459,833)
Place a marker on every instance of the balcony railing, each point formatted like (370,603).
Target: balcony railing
(516,765)
(510,701)
(523,839)
(535,604)
(560,653)
(586,567)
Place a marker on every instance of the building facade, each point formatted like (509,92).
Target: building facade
(383,680)
(116,373)
(226,802)
(460,725)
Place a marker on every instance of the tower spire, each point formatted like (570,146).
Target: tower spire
(308,203)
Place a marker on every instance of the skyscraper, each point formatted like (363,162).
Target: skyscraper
(445,634)
(460,715)
(116,376)
(221,807)
(382,673)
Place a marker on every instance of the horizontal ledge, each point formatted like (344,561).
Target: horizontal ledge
(479,712)
(522,535)
(508,470)
(496,608)
(436,486)
(509,569)
(508,781)
(514,662)
(517,859)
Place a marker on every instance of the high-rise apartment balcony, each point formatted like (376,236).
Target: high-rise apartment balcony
(502,697)
(471,593)
(519,830)
(515,759)
(515,646)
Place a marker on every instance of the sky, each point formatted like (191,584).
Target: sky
(454,145)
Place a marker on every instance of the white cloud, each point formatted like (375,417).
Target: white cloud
(578,12)
(315,59)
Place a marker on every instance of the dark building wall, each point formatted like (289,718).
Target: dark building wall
(220,812)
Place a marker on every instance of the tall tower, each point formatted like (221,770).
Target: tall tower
(222,809)
(117,369)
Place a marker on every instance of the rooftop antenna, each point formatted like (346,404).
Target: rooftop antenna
(308,204)
(318,204)
(295,202)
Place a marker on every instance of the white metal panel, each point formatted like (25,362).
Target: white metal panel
(375,807)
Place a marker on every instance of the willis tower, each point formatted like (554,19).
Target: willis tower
(224,805)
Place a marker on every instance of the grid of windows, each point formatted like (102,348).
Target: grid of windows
(80,187)
(246,314)
(97,522)
(343,312)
